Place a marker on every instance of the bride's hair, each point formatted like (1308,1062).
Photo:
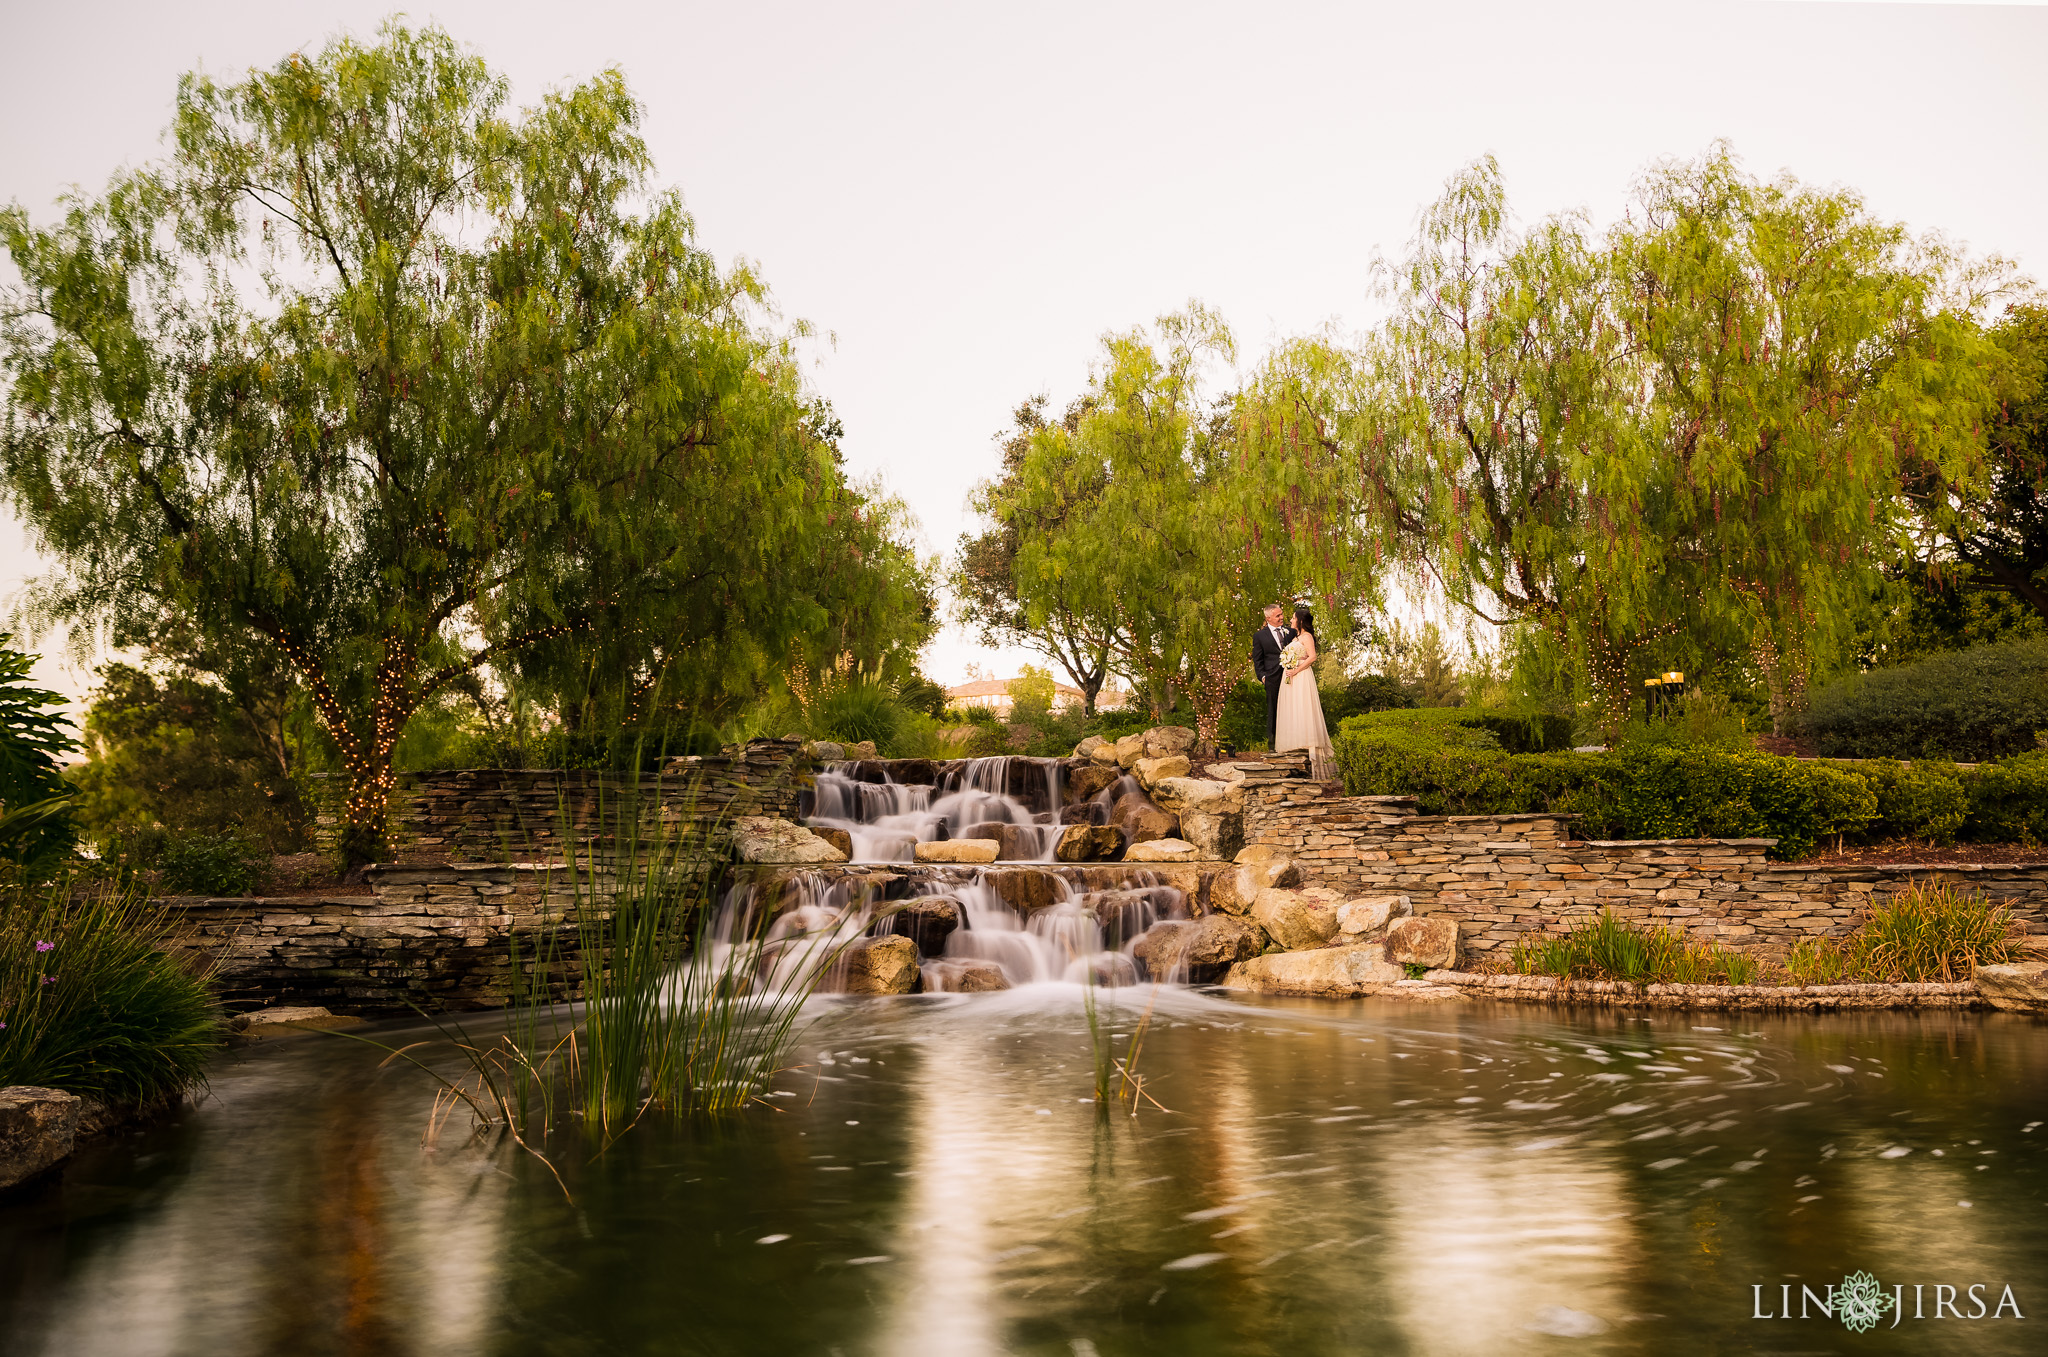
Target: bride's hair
(1304,620)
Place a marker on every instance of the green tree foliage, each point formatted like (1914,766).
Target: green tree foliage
(1687,430)
(984,576)
(404,386)
(179,753)
(36,823)
(1178,512)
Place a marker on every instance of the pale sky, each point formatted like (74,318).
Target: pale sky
(967,196)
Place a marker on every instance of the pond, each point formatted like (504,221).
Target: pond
(1331,1178)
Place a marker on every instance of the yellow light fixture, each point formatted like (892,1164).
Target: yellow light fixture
(1652,683)
(1674,677)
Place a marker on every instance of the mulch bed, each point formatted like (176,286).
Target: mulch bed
(1905,852)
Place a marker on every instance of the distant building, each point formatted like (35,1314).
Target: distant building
(994,694)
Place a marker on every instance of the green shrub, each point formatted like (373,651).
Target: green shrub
(89,1003)
(1454,765)
(1987,702)
(2009,800)
(1695,719)
(1608,947)
(210,864)
(1920,800)
(857,712)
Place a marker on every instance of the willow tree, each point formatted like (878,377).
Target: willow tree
(402,384)
(1181,511)
(1687,432)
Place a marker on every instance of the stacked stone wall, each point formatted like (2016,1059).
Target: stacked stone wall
(1503,877)
(509,814)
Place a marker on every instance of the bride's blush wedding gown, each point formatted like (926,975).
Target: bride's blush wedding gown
(1300,724)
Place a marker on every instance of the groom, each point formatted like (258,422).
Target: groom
(1267,643)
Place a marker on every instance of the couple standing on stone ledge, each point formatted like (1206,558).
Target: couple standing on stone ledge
(1284,659)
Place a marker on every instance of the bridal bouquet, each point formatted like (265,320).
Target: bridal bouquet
(1293,655)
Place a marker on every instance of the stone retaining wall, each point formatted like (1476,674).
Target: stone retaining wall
(432,937)
(510,814)
(1547,989)
(1503,876)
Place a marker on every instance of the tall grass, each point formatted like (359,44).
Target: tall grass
(1933,932)
(91,1003)
(1607,947)
(1117,1079)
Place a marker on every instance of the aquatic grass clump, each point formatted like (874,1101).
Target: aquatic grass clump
(1932,932)
(1116,1077)
(91,1003)
(1608,947)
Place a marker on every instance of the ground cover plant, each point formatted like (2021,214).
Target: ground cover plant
(92,1003)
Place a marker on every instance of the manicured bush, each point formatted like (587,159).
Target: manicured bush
(1457,766)
(91,1004)
(1920,800)
(1988,702)
(210,864)
(2009,800)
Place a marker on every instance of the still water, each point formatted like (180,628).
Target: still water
(1331,1178)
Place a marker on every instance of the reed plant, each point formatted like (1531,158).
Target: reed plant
(1608,947)
(92,1003)
(1117,1078)
(1933,932)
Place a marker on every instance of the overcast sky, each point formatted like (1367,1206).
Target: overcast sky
(966,196)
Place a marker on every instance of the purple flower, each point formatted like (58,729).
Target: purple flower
(49,980)
(46,946)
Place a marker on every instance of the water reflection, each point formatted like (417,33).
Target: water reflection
(1331,1179)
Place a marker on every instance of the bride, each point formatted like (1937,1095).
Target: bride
(1300,724)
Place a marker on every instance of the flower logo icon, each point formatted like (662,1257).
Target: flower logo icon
(1860,1302)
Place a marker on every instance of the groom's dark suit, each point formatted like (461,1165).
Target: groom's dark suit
(1266,664)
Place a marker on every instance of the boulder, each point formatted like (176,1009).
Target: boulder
(1140,818)
(1367,918)
(1089,782)
(1298,919)
(959,976)
(37,1128)
(1161,850)
(2019,988)
(1086,749)
(1089,843)
(1423,942)
(1215,837)
(763,838)
(1203,948)
(273,1022)
(1166,741)
(1228,772)
(914,772)
(1151,771)
(826,751)
(882,966)
(1104,754)
(1014,844)
(959,850)
(1256,852)
(1025,889)
(1234,891)
(1326,972)
(927,920)
(1201,795)
(838,838)
(1129,750)
(864,749)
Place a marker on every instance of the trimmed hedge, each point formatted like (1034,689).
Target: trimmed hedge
(1988,702)
(1454,762)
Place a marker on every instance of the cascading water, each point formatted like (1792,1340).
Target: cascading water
(1083,935)
(886,819)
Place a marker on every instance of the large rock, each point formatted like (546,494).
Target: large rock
(1200,795)
(1233,891)
(826,751)
(275,1022)
(1367,918)
(951,975)
(1162,850)
(763,838)
(1129,750)
(1140,818)
(927,920)
(914,772)
(1089,843)
(1152,771)
(2019,988)
(959,850)
(1085,784)
(882,966)
(37,1128)
(1105,754)
(838,838)
(1423,942)
(1086,749)
(1298,919)
(1025,889)
(1166,741)
(1014,844)
(1203,948)
(1215,837)
(1326,972)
